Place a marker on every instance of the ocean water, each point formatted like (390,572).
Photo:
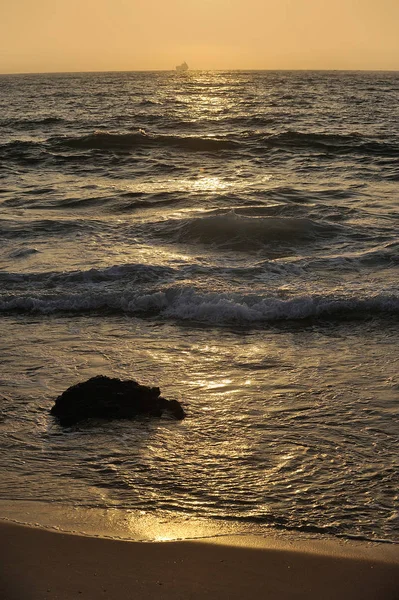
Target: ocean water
(231,237)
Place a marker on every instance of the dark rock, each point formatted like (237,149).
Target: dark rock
(111,398)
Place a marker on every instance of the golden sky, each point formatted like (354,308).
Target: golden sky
(98,35)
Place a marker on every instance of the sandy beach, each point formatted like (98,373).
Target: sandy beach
(38,564)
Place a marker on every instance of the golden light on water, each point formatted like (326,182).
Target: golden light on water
(210,184)
(202,182)
(218,384)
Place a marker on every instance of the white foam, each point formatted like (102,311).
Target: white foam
(215,308)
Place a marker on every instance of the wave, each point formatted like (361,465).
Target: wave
(22,124)
(244,122)
(22,253)
(382,257)
(147,102)
(245,233)
(187,304)
(16,146)
(11,229)
(130,201)
(332,143)
(129,141)
(378,257)
(58,148)
(246,142)
(134,272)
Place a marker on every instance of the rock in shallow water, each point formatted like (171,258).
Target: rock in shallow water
(111,398)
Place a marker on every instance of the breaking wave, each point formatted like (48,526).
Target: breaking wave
(187,304)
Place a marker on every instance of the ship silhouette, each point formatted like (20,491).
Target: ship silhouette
(182,68)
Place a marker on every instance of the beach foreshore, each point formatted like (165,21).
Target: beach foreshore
(38,563)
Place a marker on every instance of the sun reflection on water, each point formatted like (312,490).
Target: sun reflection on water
(210,184)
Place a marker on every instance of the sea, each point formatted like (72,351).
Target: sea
(231,237)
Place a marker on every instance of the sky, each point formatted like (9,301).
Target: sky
(130,35)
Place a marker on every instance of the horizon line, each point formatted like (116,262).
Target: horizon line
(172,70)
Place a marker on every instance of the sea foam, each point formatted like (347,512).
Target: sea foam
(214,308)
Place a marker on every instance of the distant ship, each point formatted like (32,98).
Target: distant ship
(182,68)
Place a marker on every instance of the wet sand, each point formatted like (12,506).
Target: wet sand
(39,564)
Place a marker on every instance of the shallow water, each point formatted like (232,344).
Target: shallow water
(232,238)
(293,428)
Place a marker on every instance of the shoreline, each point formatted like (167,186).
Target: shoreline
(38,563)
(133,525)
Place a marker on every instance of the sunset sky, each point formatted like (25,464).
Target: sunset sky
(98,35)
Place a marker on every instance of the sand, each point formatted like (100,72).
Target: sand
(41,564)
